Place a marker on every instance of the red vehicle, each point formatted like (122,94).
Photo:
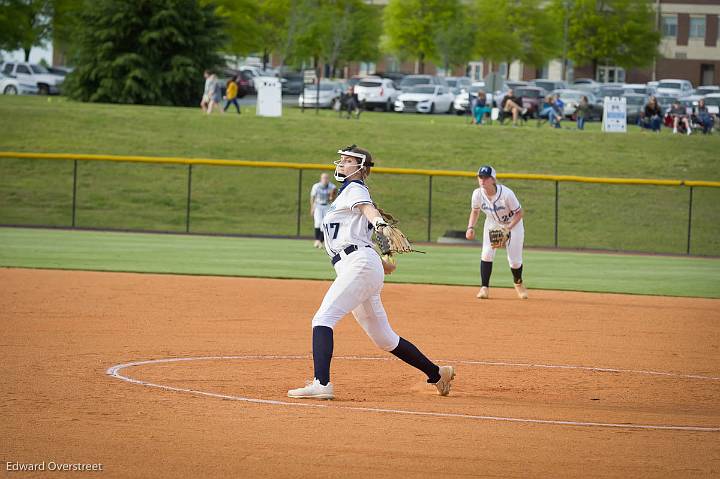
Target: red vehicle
(532,98)
(246,84)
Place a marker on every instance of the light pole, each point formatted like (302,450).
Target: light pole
(566,16)
(658,26)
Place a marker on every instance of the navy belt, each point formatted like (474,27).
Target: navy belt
(350,249)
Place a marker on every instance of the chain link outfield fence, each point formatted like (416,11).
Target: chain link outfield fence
(272,199)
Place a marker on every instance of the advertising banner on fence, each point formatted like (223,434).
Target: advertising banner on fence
(614,115)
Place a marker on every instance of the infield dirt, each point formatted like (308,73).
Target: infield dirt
(62,330)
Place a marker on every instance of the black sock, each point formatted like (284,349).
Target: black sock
(318,234)
(410,354)
(517,274)
(485,272)
(322,353)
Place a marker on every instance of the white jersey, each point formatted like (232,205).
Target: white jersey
(321,193)
(344,224)
(500,208)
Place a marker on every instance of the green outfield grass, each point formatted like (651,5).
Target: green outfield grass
(289,258)
(260,201)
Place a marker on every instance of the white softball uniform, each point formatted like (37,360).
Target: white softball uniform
(360,276)
(499,211)
(321,194)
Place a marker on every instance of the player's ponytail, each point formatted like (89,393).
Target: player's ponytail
(368,160)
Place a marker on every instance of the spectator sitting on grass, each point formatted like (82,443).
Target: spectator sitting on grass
(480,107)
(651,116)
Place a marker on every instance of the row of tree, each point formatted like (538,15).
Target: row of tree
(154,51)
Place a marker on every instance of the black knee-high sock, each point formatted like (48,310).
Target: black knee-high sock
(410,354)
(322,353)
(517,274)
(485,272)
(318,234)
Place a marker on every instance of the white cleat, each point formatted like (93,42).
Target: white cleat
(447,374)
(317,244)
(521,291)
(313,390)
(484,293)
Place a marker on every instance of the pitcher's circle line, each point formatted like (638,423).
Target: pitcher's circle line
(114,371)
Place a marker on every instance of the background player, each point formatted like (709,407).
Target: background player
(502,209)
(321,195)
(348,228)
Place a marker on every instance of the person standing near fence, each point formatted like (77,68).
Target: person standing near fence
(321,195)
(502,209)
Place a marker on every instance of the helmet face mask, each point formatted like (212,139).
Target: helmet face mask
(348,152)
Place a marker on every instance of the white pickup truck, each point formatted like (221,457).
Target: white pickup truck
(29,73)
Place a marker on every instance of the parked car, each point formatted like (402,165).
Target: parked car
(499,95)
(425,99)
(549,85)
(292,83)
(531,97)
(14,86)
(246,81)
(462,99)
(611,90)
(375,92)
(31,73)
(251,73)
(675,88)
(712,102)
(707,89)
(330,92)
(640,88)
(634,105)
(411,81)
(583,83)
(571,99)
(586,84)
(355,79)
(62,71)
(394,76)
(459,83)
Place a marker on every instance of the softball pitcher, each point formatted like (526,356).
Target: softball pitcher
(502,209)
(321,195)
(348,228)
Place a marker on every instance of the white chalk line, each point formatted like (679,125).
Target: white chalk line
(114,371)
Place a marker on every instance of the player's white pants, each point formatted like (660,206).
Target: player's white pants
(514,246)
(357,288)
(319,213)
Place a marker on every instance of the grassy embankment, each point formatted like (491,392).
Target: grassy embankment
(264,201)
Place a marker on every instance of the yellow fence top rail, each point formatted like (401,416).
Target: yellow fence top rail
(312,166)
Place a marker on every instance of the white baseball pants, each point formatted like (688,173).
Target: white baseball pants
(360,279)
(319,213)
(514,246)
